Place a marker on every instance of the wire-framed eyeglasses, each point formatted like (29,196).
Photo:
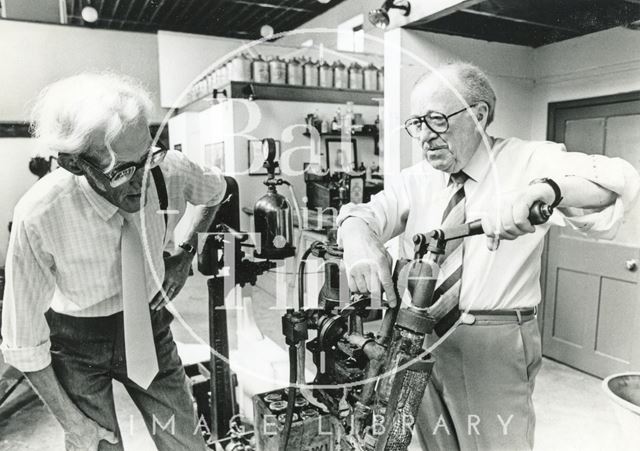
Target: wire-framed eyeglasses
(435,121)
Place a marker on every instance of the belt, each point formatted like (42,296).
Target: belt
(502,316)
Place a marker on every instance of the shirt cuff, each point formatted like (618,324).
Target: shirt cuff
(601,224)
(28,359)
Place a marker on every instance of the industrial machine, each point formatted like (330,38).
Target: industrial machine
(368,387)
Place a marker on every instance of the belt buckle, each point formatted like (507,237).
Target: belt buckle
(467,318)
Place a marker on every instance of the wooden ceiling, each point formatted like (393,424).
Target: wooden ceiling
(532,23)
(228,18)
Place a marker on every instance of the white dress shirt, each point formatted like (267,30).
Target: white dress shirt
(508,278)
(64,251)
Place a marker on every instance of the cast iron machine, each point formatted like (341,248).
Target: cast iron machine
(368,387)
(223,248)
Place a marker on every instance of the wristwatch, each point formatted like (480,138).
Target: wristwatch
(554,186)
(188,248)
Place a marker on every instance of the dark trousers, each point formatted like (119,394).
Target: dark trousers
(88,353)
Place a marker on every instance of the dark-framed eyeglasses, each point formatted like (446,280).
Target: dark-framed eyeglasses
(435,121)
(121,174)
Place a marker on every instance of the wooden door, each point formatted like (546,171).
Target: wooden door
(592,295)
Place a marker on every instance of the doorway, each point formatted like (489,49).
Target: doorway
(592,295)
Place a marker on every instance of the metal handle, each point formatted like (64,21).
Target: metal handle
(631,265)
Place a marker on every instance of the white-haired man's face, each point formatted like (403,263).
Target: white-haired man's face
(130,146)
(450,146)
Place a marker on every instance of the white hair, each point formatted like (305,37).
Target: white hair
(473,81)
(85,112)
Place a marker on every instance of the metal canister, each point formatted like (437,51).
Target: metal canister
(371,78)
(340,76)
(381,79)
(356,77)
(294,72)
(310,73)
(278,71)
(326,75)
(240,68)
(260,70)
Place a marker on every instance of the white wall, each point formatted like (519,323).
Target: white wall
(34,55)
(335,16)
(597,64)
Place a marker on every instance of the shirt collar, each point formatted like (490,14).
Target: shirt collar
(480,163)
(105,209)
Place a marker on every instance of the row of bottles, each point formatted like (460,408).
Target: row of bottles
(347,121)
(295,71)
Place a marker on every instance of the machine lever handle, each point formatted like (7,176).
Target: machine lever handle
(538,214)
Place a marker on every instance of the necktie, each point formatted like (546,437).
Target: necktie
(140,351)
(447,294)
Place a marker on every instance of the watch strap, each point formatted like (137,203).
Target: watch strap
(188,248)
(554,186)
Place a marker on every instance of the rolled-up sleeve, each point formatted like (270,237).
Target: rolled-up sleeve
(386,213)
(28,291)
(613,174)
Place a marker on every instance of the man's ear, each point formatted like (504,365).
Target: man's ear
(483,114)
(70,163)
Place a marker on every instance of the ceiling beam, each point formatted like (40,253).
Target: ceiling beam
(517,20)
(157,10)
(170,12)
(258,12)
(126,15)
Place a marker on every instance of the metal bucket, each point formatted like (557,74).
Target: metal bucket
(624,390)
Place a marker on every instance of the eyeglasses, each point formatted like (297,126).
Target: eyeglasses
(436,122)
(122,174)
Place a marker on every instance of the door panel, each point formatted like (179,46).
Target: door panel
(576,301)
(613,334)
(591,313)
(585,134)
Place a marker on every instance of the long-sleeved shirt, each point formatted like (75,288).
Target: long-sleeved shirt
(64,251)
(413,201)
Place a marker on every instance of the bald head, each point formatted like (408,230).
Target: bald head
(470,82)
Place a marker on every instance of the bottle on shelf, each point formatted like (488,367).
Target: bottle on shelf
(338,119)
(347,121)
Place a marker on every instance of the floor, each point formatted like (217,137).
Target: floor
(572,410)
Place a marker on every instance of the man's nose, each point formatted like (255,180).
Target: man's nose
(136,180)
(426,134)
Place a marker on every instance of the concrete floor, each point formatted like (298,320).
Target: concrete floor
(572,411)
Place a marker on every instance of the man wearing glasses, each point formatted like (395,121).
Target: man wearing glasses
(86,278)
(480,394)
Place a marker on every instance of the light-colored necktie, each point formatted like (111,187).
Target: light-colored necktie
(447,295)
(141,359)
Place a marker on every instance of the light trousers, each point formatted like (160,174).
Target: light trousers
(480,394)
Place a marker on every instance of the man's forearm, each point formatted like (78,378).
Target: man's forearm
(202,221)
(577,192)
(46,385)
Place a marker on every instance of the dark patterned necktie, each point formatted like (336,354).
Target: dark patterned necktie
(446,297)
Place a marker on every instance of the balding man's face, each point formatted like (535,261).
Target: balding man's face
(448,151)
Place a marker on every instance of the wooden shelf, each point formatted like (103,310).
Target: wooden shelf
(372,134)
(291,93)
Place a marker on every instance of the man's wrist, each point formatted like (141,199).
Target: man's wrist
(546,190)
(187,248)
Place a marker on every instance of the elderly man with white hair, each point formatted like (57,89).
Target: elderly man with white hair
(484,305)
(86,279)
